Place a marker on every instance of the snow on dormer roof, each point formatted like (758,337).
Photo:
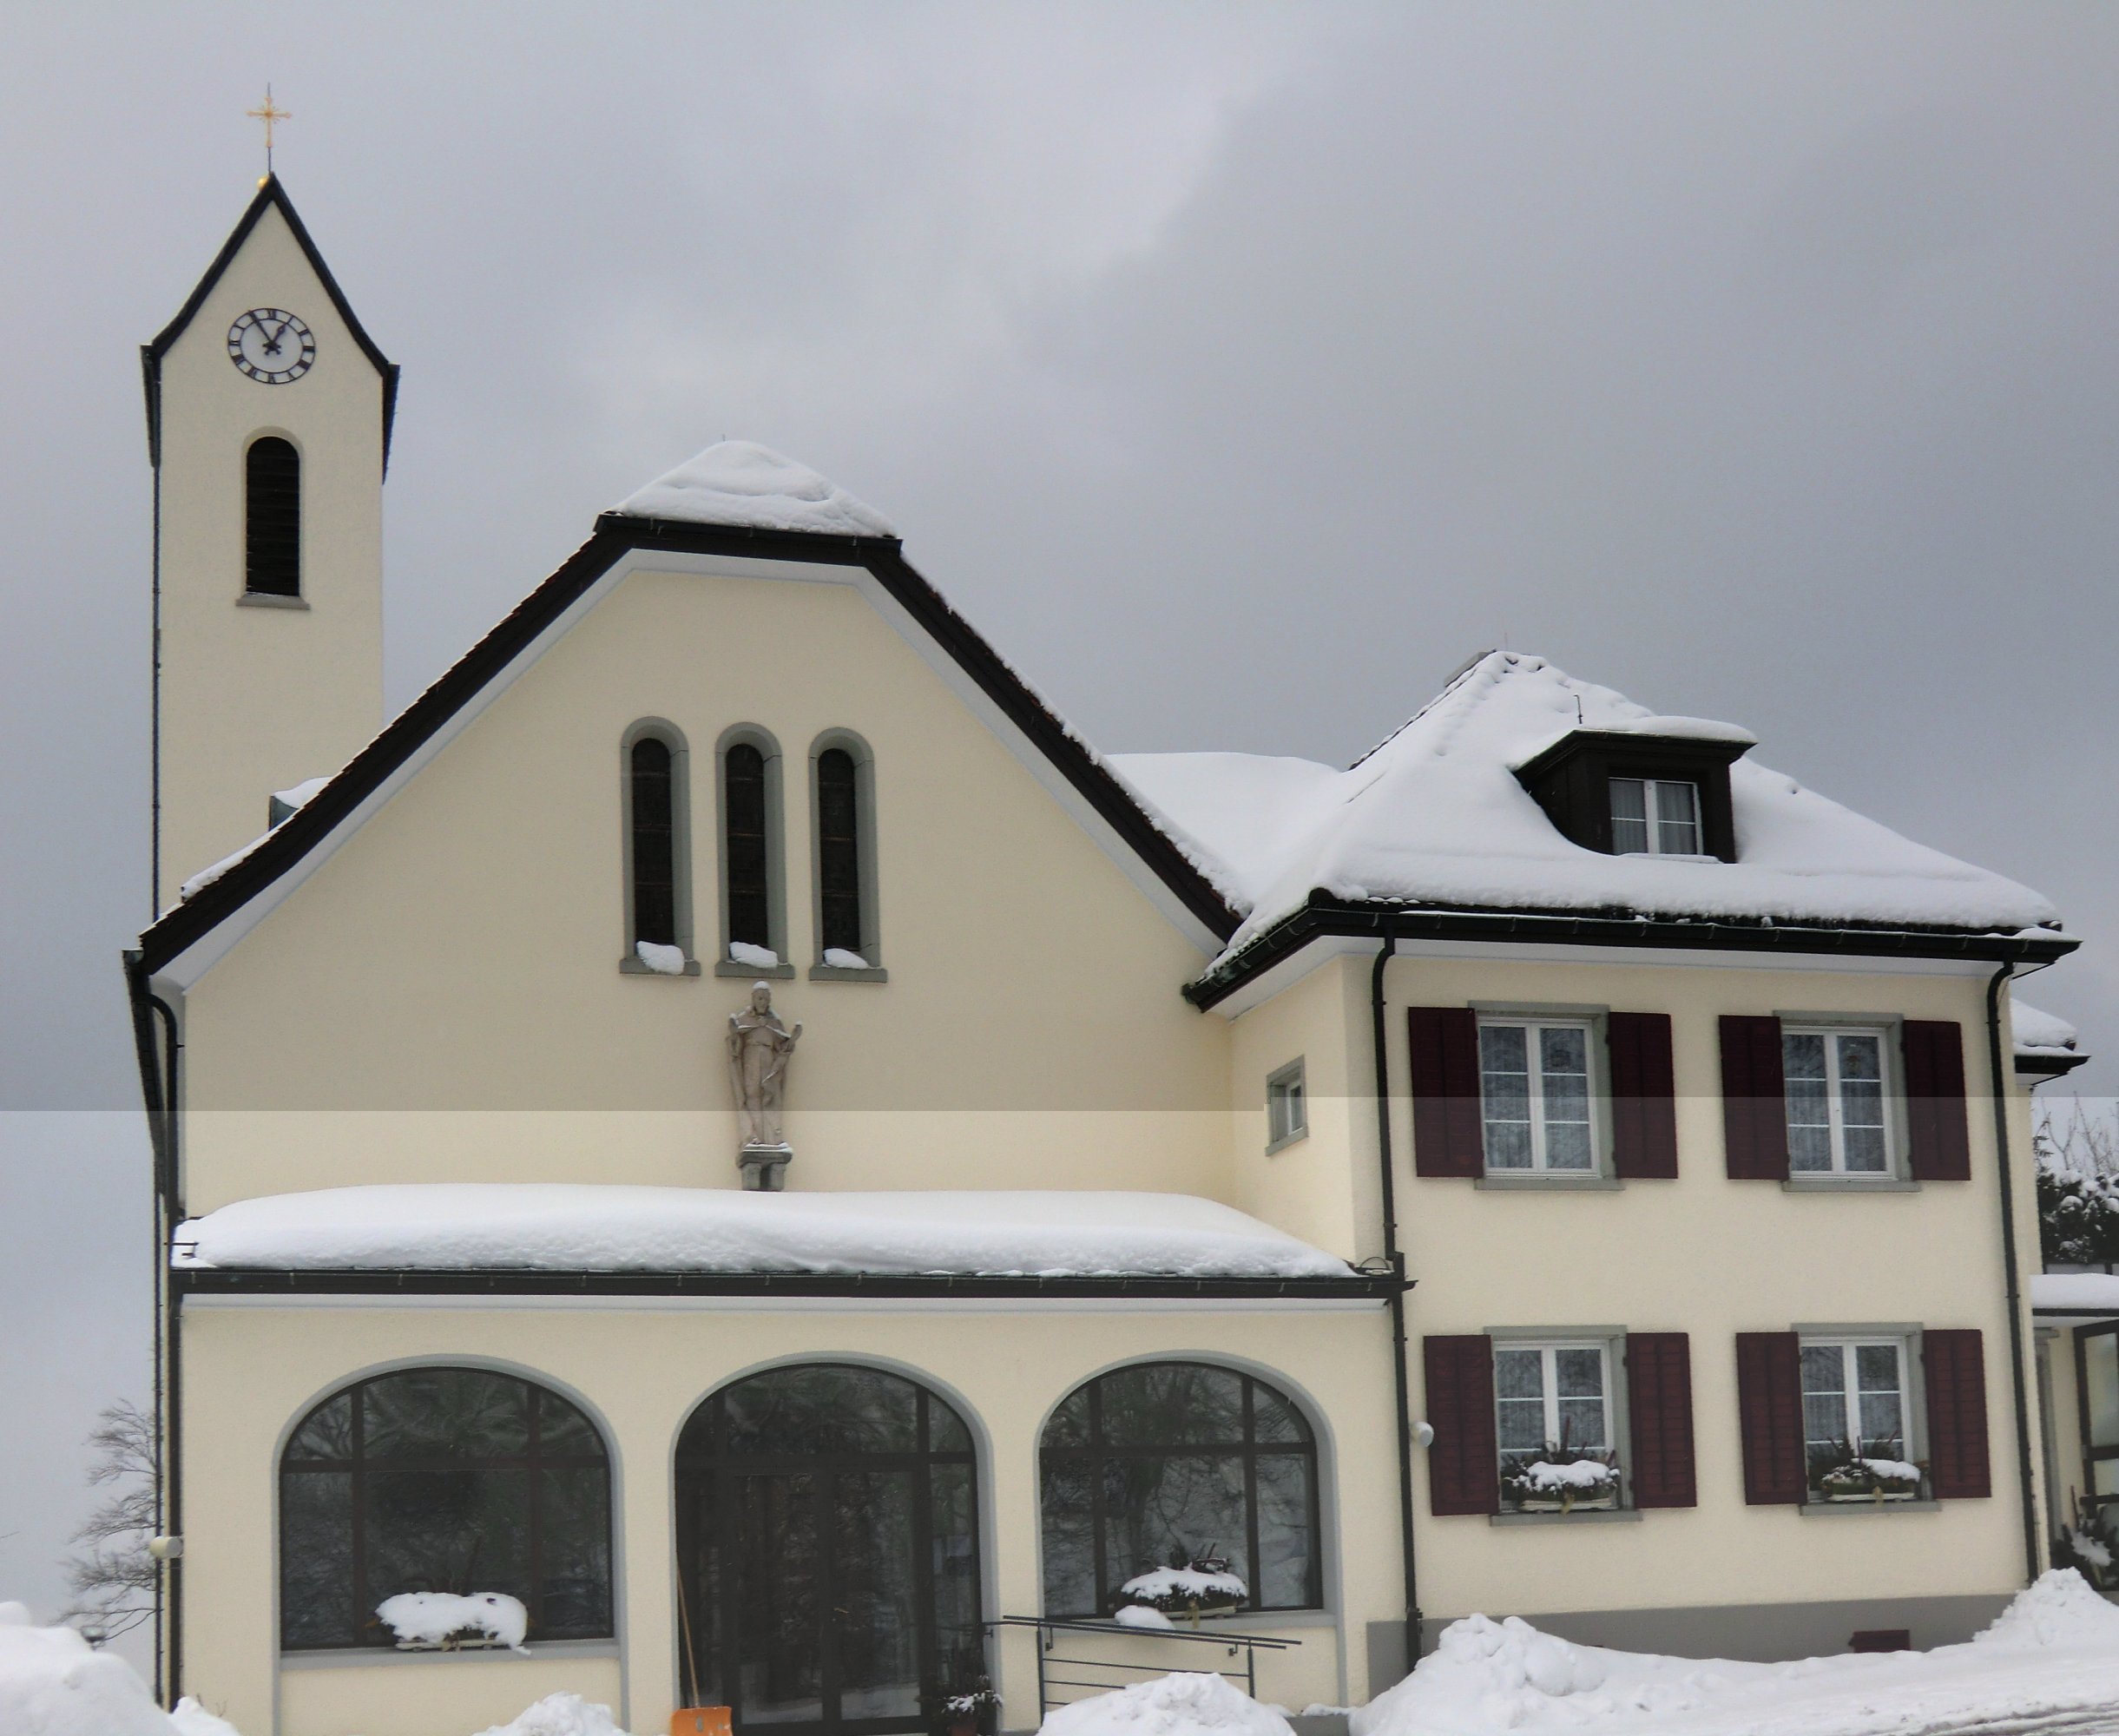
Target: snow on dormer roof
(740,483)
(1436,816)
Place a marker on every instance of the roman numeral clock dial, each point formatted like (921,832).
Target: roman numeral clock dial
(271,345)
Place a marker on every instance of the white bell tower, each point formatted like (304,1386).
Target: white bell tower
(268,426)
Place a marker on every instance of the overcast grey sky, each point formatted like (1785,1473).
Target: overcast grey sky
(1240,369)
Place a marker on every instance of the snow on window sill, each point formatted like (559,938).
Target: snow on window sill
(1240,1622)
(847,973)
(1820,1182)
(632,965)
(270,600)
(367,1657)
(1504,1179)
(1834,1510)
(1593,1516)
(755,973)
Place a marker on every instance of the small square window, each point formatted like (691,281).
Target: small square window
(1834,1086)
(1287,1107)
(1553,1426)
(1655,817)
(1536,1096)
(1856,1420)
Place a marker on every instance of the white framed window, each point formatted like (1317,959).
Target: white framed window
(1288,1106)
(1835,1085)
(1857,1416)
(1535,1096)
(1655,817)
(1554,1423)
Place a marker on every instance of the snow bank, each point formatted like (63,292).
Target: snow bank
(740,482)
(428,1618)
(1180,1705)
(560,1714)
(191,1719)
(1436,816)
(577,1227)
(53,1683)
(2061,1609)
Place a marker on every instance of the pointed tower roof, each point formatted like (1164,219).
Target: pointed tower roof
(271,194)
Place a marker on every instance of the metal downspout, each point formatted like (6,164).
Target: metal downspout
(2013,1278)
(169,1671)
(1413,1620)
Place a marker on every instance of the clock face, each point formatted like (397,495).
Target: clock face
(271,345)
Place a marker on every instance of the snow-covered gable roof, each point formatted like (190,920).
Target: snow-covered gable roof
(1436,816)
(551,1226)
(740,483)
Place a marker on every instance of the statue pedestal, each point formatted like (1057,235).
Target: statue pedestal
(764,1167)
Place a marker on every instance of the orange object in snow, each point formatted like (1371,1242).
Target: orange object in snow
(700,1720)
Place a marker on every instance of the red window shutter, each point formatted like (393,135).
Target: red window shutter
(1464,1469)
(1658,1409)
(1939,1137)
(1754,1111)
(1643,1097)
(1955,1369)
(1447,1136)
(1769,1402)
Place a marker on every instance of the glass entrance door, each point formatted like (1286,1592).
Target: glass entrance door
(828,1558)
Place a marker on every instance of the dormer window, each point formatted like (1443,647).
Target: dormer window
(1655,817)
(1635,792)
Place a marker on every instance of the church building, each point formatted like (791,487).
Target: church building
(726,1157)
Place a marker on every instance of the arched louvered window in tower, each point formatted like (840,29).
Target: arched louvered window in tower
(272,518)
(655,856)
(839,851)
(748,857)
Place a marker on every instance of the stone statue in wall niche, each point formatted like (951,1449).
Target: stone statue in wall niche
(759,1049)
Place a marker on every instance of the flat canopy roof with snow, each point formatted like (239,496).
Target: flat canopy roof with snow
(536,1227)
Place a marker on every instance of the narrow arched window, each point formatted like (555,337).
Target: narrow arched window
(443,1479)
(1180,1465)
(272,518)
(839,851)
(655,854)
(746,851)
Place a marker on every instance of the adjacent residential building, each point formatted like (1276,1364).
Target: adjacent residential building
(726,1134)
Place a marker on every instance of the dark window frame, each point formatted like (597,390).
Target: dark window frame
(671,740)
(756,855)
(1097,1452)
(853,905)
(272,517)
(1571,781)
(370,1635)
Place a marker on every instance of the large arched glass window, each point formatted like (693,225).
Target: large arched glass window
(443,1479)
(272,518)
(658,902)
(1164,1463)
(842,779)
(754,923)
(827,1552)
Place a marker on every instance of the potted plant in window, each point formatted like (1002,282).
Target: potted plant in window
(1192,1586)
(1560,1479)
(964,1708)
(1847,1474)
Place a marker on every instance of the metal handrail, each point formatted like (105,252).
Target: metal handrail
(1247,1645)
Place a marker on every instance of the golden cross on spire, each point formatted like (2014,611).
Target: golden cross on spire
(268,115)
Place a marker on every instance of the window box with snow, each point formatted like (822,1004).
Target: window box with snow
(1553,1422)
(1856,1432)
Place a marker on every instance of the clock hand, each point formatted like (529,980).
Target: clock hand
(272,342)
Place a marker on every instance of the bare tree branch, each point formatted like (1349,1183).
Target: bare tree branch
(112,1575)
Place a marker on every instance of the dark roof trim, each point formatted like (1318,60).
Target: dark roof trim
(270,193)
(1705,749)
(617,536)
(224,1281)
(2044,1067)
(1325,915)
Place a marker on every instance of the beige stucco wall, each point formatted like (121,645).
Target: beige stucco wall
(255,700)
(250,1372)
(1711,1258)
(446,986)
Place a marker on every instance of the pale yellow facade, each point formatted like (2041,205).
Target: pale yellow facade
(435,995)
